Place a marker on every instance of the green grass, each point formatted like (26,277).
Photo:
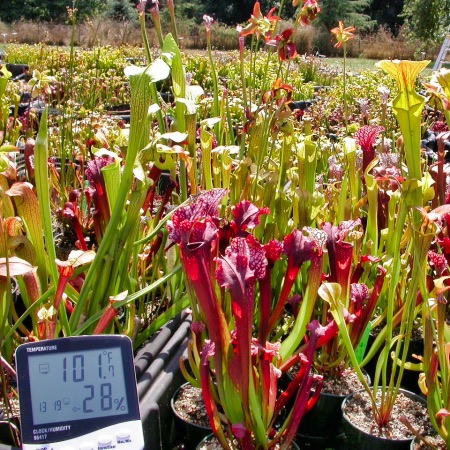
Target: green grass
(362,64)
(353,64)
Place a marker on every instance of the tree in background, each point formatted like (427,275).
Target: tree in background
(121,10)
(387,14)
(351,12)
(47,10)
(428,21)
(230,12)
(11,11)
(233,12)
(192,11)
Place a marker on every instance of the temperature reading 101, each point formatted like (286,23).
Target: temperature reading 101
(74,367)
(93,385)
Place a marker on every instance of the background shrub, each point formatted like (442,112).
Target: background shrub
(380,44)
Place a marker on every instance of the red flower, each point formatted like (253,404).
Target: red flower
(309,11)
(285,47)
(246,216)
(280,91)
(259,24)
(439,262)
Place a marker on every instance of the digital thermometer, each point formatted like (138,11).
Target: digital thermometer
(79,393)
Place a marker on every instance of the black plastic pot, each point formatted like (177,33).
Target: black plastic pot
(186,433)
(338,442)
(19,71)
(321,428)
(324,419)
(410,380)
(6,438)
(359,439)
(158,377)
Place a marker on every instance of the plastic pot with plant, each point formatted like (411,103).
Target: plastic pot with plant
(229,274)
(405,261)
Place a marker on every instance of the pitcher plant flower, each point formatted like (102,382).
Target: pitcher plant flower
(309,12)
(342,34)
(439,88)
(208,21)
(259,24)
(285,47)
(141,6)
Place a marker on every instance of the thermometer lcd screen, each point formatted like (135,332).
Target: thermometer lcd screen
(77,385)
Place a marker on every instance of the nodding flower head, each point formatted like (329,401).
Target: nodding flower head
(385,92)
(285,47)
(309,12)
(208,21)
(342,34)
(141,6)
(260,24)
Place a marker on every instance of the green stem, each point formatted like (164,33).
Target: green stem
(145,38)
(173,20)
(345,87)
(42,188)
(153,90)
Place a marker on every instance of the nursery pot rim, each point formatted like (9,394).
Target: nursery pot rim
(416,442)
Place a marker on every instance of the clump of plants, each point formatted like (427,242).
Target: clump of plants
(229,276)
